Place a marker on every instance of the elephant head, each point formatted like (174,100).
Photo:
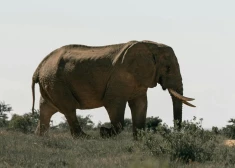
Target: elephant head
(159,65)
(170,78)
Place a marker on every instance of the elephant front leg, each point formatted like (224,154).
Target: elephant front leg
(116,109)
(138,108)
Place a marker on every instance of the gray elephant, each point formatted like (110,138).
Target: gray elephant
(83,77)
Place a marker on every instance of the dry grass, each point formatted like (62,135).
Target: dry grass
(60,150)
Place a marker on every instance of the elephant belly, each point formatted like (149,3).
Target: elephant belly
(89,103)
(87,97)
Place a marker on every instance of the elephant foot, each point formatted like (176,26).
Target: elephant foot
(41,130)
(81,135)
(105,132)
(108,132)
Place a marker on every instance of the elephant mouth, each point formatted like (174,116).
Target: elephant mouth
(161,83)
(182,98)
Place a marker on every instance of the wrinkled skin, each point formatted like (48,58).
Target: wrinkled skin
(82,77)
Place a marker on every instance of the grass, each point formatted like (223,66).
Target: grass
(151,151)
(60,150)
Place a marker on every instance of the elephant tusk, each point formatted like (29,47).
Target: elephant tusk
(179,96)
(188,104)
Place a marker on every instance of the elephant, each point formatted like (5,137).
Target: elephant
(87,77)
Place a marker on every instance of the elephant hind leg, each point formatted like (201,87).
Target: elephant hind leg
(46,111)
(75,128)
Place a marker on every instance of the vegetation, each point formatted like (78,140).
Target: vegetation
(158,146)
(229,130)
(26,123)
(4,109)
(151,123)
(191,147)
(192,143)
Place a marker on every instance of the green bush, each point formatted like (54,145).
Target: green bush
(216,130)
(26,123)
(229,130)
(152,123)
(128,124)
(191,143)
(3,120)
(4,108)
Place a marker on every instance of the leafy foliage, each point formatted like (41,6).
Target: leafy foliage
(191,143)
(128,123)
(152,123)
(4,108)
(229,130)
(26,123)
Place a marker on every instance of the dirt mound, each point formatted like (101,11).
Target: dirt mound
(229,142)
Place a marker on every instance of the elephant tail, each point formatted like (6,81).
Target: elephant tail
(34,80)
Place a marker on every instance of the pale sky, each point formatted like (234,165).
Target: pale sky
(202,34)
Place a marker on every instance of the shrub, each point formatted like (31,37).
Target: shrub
(26,123)
(3,120)
(229,130)
(152,123)
(4,108)
(191,143)
(216,130)
(128,124)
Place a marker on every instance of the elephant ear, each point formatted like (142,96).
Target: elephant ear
(122,52)
(139,59)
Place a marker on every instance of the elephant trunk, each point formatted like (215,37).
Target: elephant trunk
(177,107)
(178,99)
